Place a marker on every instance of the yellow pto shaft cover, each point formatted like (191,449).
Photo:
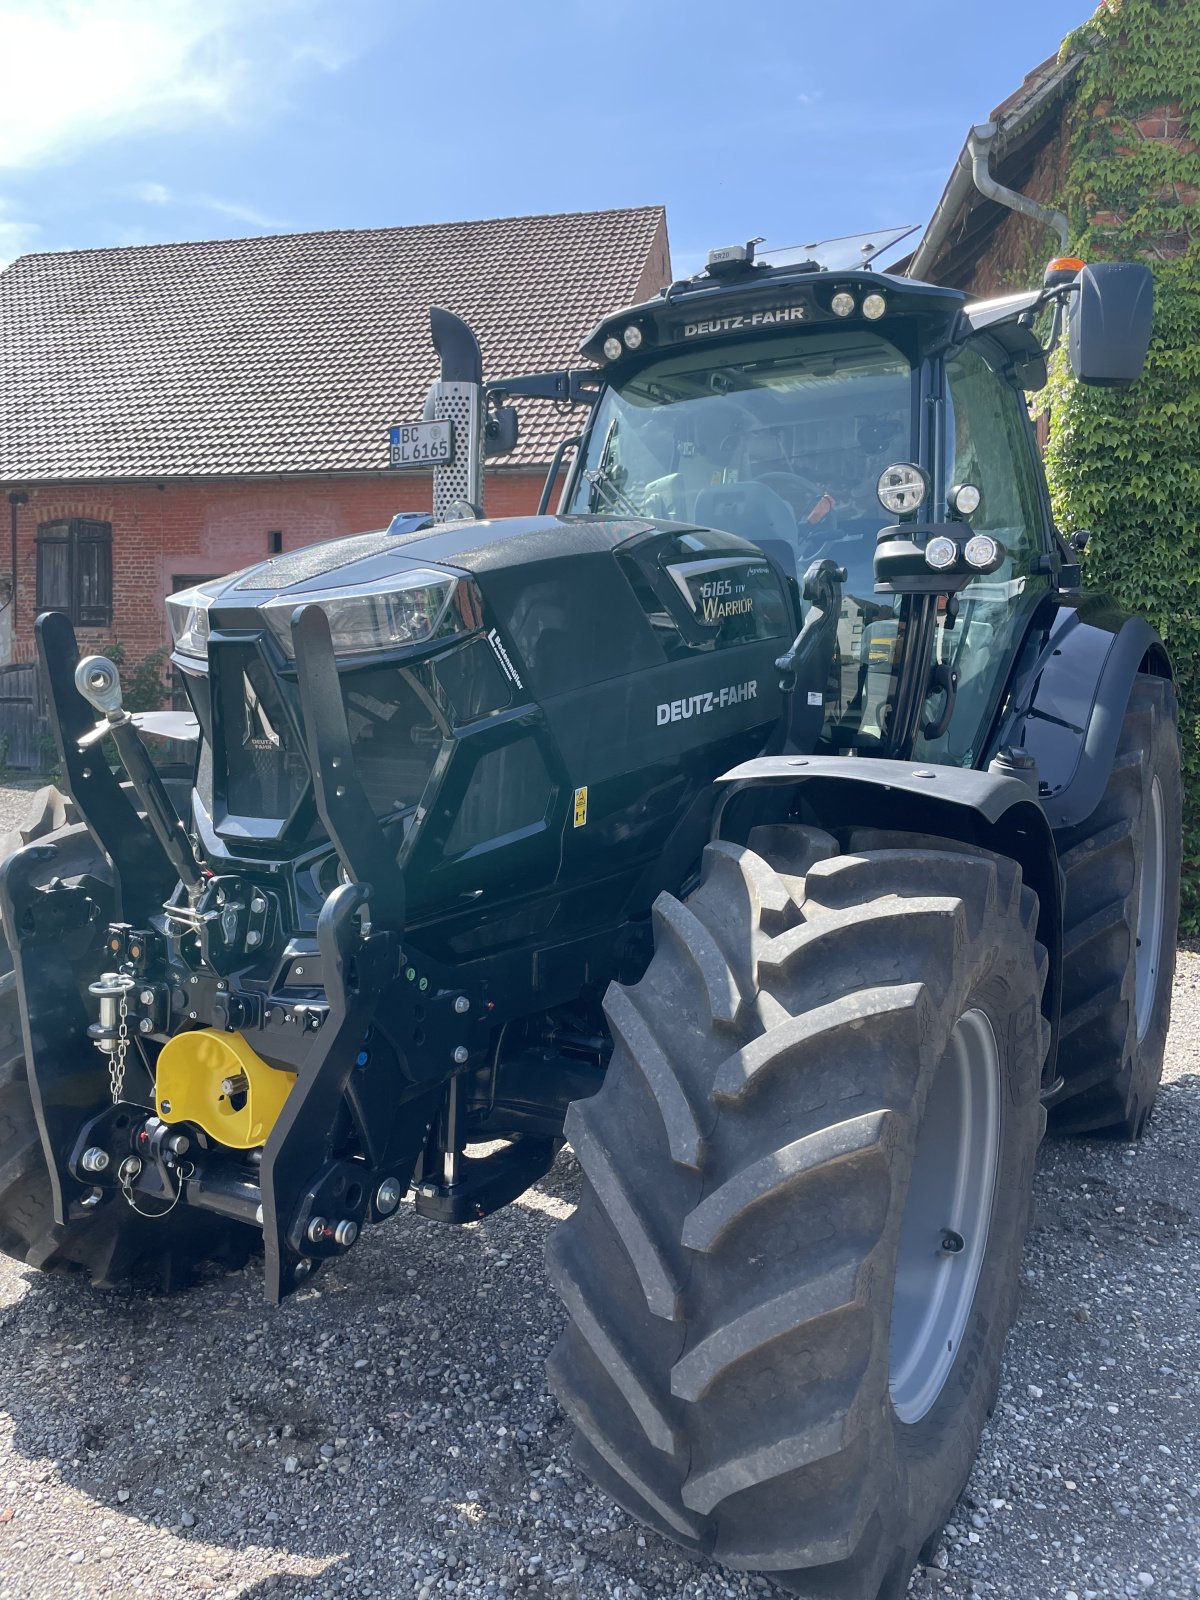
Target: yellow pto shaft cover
(218,1082)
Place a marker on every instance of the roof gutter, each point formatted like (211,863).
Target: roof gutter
(953,198)
(973,172)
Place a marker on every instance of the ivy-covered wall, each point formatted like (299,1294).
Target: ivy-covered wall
(1126,464)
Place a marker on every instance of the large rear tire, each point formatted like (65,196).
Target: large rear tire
(112,1242)
(808,1172)
(1120,925)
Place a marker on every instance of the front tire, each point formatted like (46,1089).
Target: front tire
(731,1361)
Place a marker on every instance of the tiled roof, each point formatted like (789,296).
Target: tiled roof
(293,353)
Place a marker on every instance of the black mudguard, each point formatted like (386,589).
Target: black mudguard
(1069,694)
(985,809)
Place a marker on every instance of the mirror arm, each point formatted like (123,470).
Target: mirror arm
(578,386)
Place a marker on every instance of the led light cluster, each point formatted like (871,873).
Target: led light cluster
(844,304)
(631,339)
(981,551)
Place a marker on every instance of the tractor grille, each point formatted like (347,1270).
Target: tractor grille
(265,773)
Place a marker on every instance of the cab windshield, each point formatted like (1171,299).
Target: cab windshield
(782,444)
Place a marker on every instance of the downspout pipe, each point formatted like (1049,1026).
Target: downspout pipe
(17,498)
(973,171)
(979,145)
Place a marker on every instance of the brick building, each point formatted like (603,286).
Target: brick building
(172,412)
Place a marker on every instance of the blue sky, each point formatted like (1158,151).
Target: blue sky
(139,121)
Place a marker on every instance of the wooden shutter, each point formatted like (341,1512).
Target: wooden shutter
(54,567)
(93,573)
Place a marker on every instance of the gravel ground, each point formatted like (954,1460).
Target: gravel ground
(388,1431)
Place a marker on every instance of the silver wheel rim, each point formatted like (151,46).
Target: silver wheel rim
(944,1230)
(1150,912)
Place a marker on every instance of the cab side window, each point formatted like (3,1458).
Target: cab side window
(987,445)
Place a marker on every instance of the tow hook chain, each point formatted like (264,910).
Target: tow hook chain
(116,1067)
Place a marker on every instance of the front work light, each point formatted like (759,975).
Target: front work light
(964,498)
(983,552)
(873,307)
(941,553)
(612,347)
(842,304)
(902,487)
(187,613)
(632,336)
(408,609)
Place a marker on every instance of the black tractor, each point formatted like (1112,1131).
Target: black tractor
(780,823)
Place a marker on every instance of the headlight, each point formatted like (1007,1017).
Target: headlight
(902,487)
(982,551)
(187,612)
(941,553)
(399,611)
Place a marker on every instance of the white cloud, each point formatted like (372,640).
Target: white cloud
(92,70)
(239,213)
(157,194)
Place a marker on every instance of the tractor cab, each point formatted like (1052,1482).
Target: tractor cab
(831,413)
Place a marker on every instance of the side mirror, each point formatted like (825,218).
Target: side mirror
(1110,320)
(500,434)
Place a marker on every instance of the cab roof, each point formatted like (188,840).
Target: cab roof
(752,299)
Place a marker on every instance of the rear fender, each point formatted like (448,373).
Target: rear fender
(1067,702)
(984,809)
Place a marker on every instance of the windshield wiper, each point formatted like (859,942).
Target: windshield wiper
(600,477)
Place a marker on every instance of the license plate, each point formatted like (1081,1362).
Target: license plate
(421,444)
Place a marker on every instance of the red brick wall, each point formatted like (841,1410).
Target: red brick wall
(162,531)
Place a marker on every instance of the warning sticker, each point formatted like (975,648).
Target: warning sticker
(581,807)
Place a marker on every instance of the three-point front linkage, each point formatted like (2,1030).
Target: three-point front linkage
(209,1011)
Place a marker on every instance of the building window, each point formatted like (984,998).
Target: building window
(275,542)
(74,570)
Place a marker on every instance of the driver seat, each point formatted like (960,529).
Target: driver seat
(749,509)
